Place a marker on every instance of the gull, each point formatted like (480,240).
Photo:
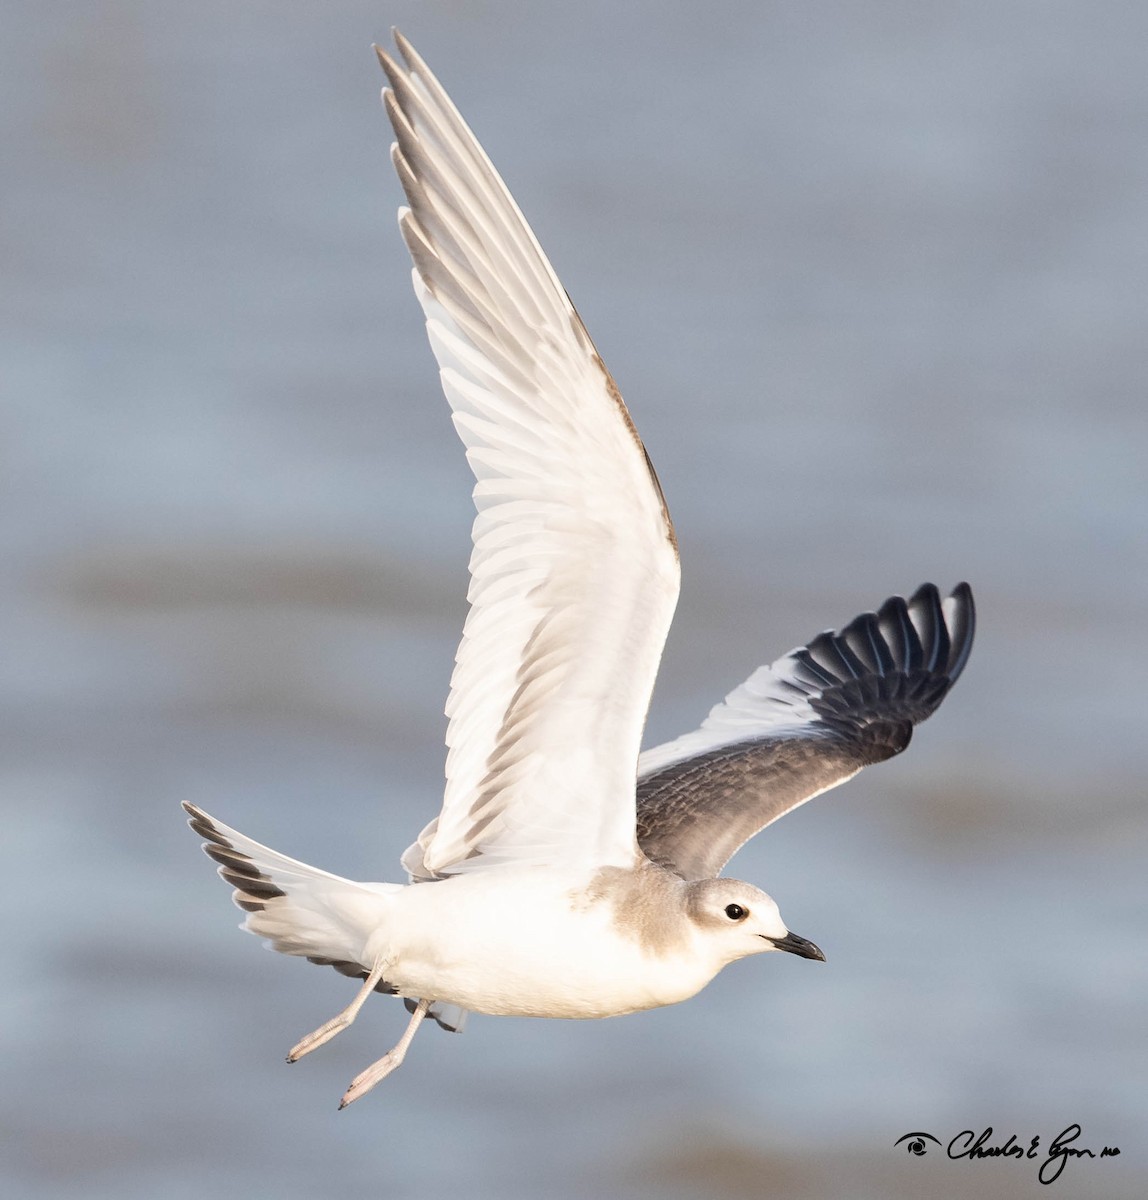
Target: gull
(565,875)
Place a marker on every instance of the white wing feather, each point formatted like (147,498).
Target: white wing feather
(768,704)
(574,573)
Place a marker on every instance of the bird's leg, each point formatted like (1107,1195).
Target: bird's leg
(365,1080)
(337,1024)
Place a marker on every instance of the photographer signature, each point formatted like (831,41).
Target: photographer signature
(972,1146)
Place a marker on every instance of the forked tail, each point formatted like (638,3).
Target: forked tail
(303,911)
(297,908)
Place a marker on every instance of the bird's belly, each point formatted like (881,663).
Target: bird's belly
(532,980)
(542,958)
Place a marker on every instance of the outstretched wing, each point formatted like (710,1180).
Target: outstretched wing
(800,726)
(574,574)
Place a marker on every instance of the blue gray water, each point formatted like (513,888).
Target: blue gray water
(872,278)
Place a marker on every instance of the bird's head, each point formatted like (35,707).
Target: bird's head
(742,919)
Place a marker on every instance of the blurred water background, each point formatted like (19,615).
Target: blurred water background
(872,279)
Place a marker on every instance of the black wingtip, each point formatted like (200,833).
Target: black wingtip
(946,628)
(895,664)
(961,615)
(928,619)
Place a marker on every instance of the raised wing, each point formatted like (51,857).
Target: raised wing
(574,574)
(800,726)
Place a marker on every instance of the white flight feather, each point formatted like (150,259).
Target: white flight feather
(574,573)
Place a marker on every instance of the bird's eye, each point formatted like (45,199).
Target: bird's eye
(735,912)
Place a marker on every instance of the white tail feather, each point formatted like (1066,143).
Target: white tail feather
(299,909)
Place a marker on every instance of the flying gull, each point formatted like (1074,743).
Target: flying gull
(556,881)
